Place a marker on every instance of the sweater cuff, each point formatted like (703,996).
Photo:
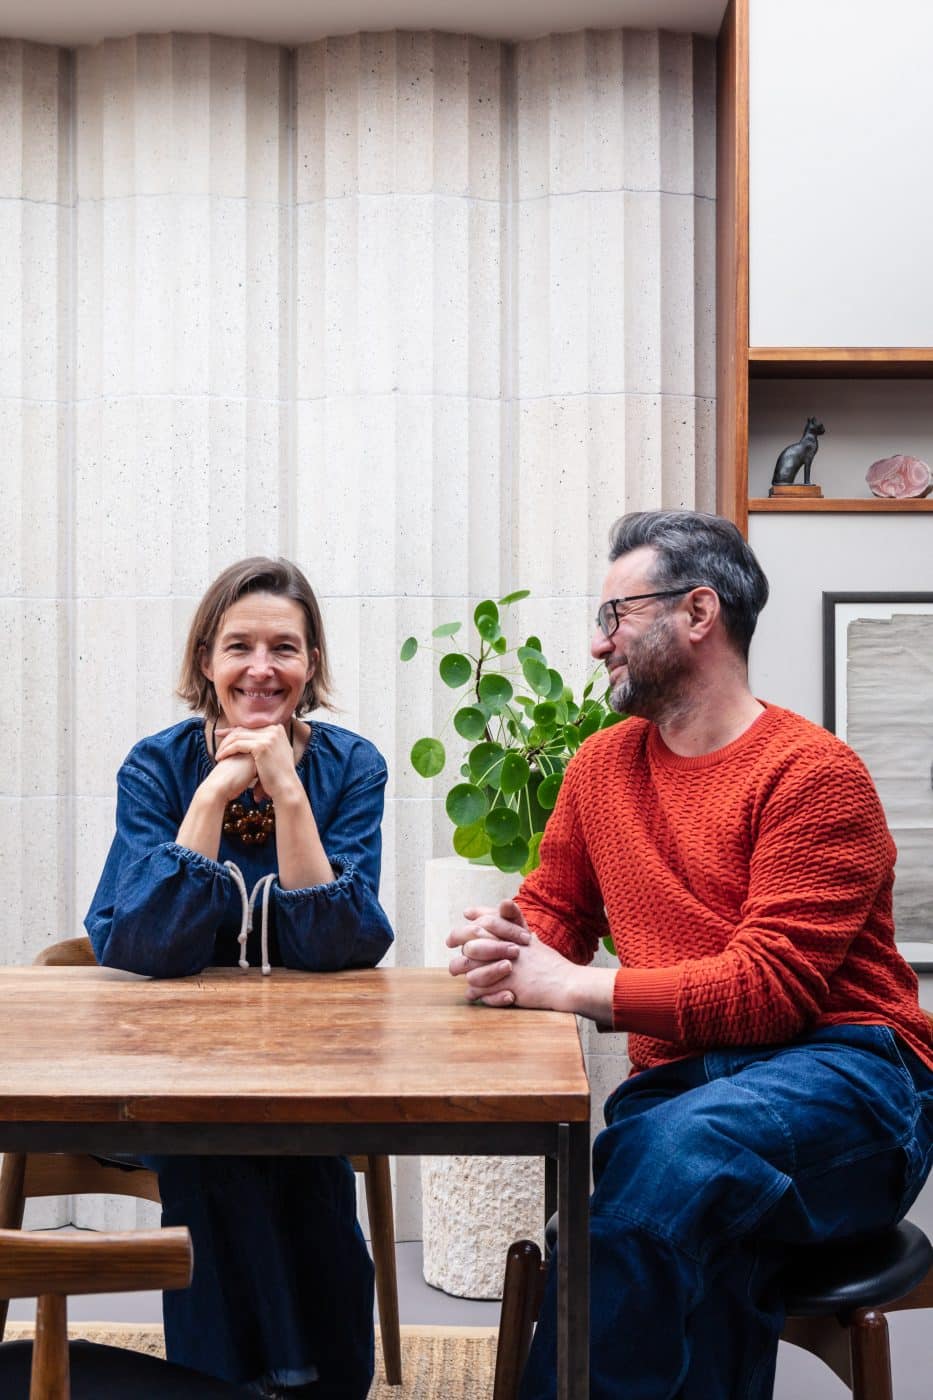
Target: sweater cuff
(644,1000)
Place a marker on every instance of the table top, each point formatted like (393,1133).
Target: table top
(382,1045)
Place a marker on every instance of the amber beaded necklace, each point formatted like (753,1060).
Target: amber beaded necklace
(251,826)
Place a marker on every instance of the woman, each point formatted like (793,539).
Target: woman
(248,799)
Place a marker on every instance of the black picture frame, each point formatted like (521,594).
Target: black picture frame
(838,610)
(832,602)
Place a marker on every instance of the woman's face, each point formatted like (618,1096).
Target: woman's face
(260,661)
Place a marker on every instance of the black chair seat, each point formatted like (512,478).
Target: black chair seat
(822,1280)
(826,1279)
(113,1373)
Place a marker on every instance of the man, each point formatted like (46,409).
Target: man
(782,1089)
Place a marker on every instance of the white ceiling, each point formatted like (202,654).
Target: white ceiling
(297,21)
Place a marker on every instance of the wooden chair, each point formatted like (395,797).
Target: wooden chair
(25,1175)
(49,1266)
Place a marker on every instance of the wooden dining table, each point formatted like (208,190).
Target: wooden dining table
(390,1060)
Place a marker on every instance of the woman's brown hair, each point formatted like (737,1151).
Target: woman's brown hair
(256,575)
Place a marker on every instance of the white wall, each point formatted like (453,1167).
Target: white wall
(807,555)
(424,312)
(840,200)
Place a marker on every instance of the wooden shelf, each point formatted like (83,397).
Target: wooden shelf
(835,362)
(764,505)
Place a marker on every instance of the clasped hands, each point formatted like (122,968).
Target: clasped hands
(261,759)
(505,964)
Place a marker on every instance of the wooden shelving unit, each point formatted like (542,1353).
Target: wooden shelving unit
(822,362)
(738,362)
(836,505)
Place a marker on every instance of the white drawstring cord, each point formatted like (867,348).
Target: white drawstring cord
(240,883)
(264,882)
(248,904)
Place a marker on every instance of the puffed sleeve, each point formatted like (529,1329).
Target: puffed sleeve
(323,928)
(158,905)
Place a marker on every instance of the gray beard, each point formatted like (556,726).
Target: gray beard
(654,688)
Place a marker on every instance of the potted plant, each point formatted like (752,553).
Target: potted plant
(515,725)
(521,725)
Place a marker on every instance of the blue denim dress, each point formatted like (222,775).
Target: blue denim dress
(283,1283)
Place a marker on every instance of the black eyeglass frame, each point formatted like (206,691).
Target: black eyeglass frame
(613,605)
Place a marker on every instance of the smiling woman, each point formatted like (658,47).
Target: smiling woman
(251,796)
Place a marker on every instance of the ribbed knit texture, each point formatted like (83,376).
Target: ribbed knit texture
(753,884)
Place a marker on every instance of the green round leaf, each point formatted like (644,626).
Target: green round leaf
(470,722)
(547,792)
(502,825)
(612,717)
(515,773)
(409,647)
(489,629)
(511,857)
(495,691)
(533,642)
(428,757)
(485,762)
(572,737)
(556,691)
(545,713)
(515,597)
(537,675)
(486,608)
(534,860)
(471,841)
(527,653)
(500,645)
(590,723)
(447,629)
(455,669)
(465,804)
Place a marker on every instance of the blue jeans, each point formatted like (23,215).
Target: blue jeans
(707,1170)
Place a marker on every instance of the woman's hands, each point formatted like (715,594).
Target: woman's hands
(261,759)
(264,756)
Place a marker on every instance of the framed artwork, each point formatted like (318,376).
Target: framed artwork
(878,697)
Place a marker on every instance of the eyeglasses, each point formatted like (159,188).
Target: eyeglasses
(613,610)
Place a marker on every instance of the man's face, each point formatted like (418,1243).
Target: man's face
(645,657)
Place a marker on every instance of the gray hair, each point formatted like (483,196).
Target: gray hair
(694,548)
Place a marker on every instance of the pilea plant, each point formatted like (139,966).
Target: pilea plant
(520,725)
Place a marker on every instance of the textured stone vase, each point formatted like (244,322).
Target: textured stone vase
(472,1207)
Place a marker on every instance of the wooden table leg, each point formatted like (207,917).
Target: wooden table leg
(573,1262)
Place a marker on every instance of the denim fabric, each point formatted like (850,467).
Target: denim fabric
(165,911)
(283,1283)
(706,1170)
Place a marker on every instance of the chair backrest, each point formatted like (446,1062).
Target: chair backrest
(70,952)
(48,1266)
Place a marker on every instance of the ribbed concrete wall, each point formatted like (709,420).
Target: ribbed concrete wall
(424,312)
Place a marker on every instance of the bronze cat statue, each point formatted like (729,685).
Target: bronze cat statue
(797,455)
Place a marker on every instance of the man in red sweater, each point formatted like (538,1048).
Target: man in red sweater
(782,1085)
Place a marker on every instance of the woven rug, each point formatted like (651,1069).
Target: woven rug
(438,1363)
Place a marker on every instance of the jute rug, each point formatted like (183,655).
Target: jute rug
(438,1363)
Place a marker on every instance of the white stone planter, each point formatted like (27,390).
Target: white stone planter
(472,1207)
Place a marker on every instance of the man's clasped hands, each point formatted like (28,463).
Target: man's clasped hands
(505,964)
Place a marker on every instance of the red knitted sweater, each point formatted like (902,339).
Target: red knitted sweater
(747,891)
